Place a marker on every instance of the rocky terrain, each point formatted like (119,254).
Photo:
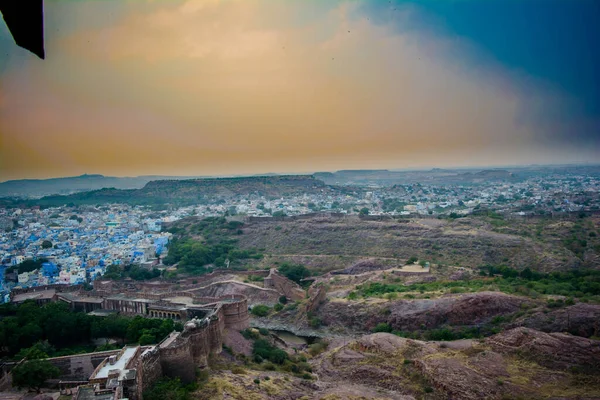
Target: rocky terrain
(326,243)
(520,363)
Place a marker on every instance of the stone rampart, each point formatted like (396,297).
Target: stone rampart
(281,284)
(236,315)
(176,360)
(149,369)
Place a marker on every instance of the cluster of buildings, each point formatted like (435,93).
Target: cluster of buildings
(80,243)
(77,247)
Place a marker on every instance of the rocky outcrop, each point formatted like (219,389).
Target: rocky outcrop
(519,363)
(553,350)
(580,319)
(316,296)
(409,315)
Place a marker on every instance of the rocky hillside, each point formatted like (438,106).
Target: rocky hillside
(519,363)
(193,191)
(326,243)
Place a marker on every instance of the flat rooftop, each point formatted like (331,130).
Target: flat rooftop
(80,299)
(43,294)
(127,298)
(119,364)
(180,300)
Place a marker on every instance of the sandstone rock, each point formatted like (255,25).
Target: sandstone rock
(553,350)
(580,319)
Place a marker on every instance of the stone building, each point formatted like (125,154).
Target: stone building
(128,372)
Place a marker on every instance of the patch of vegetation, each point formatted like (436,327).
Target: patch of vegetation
(263,350)
(169,389)
(27,266)
(581,284)
(382,327)
(260,310)
(135,272)
(294,272)
(217,245)
(32,374)
(57,330)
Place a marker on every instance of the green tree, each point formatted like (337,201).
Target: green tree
(260,310)
(294,272)
(364,211)
(412,260)
(46,244)
(283,300)
(382,327)
(147,339)
(32,374)
(167,389)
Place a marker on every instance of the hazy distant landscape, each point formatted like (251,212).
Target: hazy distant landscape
(299,200)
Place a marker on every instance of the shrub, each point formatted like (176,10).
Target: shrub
(306,375)
(391,296)
(382,327)
(317,348)
(269,366)
(278,307)
(266,351)
(250,334)
(260,310)
(263,331)
(314,322)
(238,370)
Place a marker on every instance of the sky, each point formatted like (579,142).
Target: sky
(222,87)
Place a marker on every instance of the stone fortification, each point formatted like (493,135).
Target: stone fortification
(283,285)
(176,356)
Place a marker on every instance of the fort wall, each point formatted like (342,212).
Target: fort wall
(150,369)
(281,284)
(176,356)
(176,360)
(236,315)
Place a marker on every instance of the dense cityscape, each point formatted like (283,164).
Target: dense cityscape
(77,244)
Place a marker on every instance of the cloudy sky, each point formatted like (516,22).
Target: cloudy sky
(217,87)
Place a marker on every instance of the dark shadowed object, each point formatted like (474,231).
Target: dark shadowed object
(25,20)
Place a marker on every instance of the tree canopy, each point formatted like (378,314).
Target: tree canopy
(32,374)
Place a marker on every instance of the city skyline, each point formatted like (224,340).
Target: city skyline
(218,87)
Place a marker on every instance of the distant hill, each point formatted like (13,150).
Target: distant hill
(34,188)
(391,178)
(192,191)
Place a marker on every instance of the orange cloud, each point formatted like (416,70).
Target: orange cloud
(227,86)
